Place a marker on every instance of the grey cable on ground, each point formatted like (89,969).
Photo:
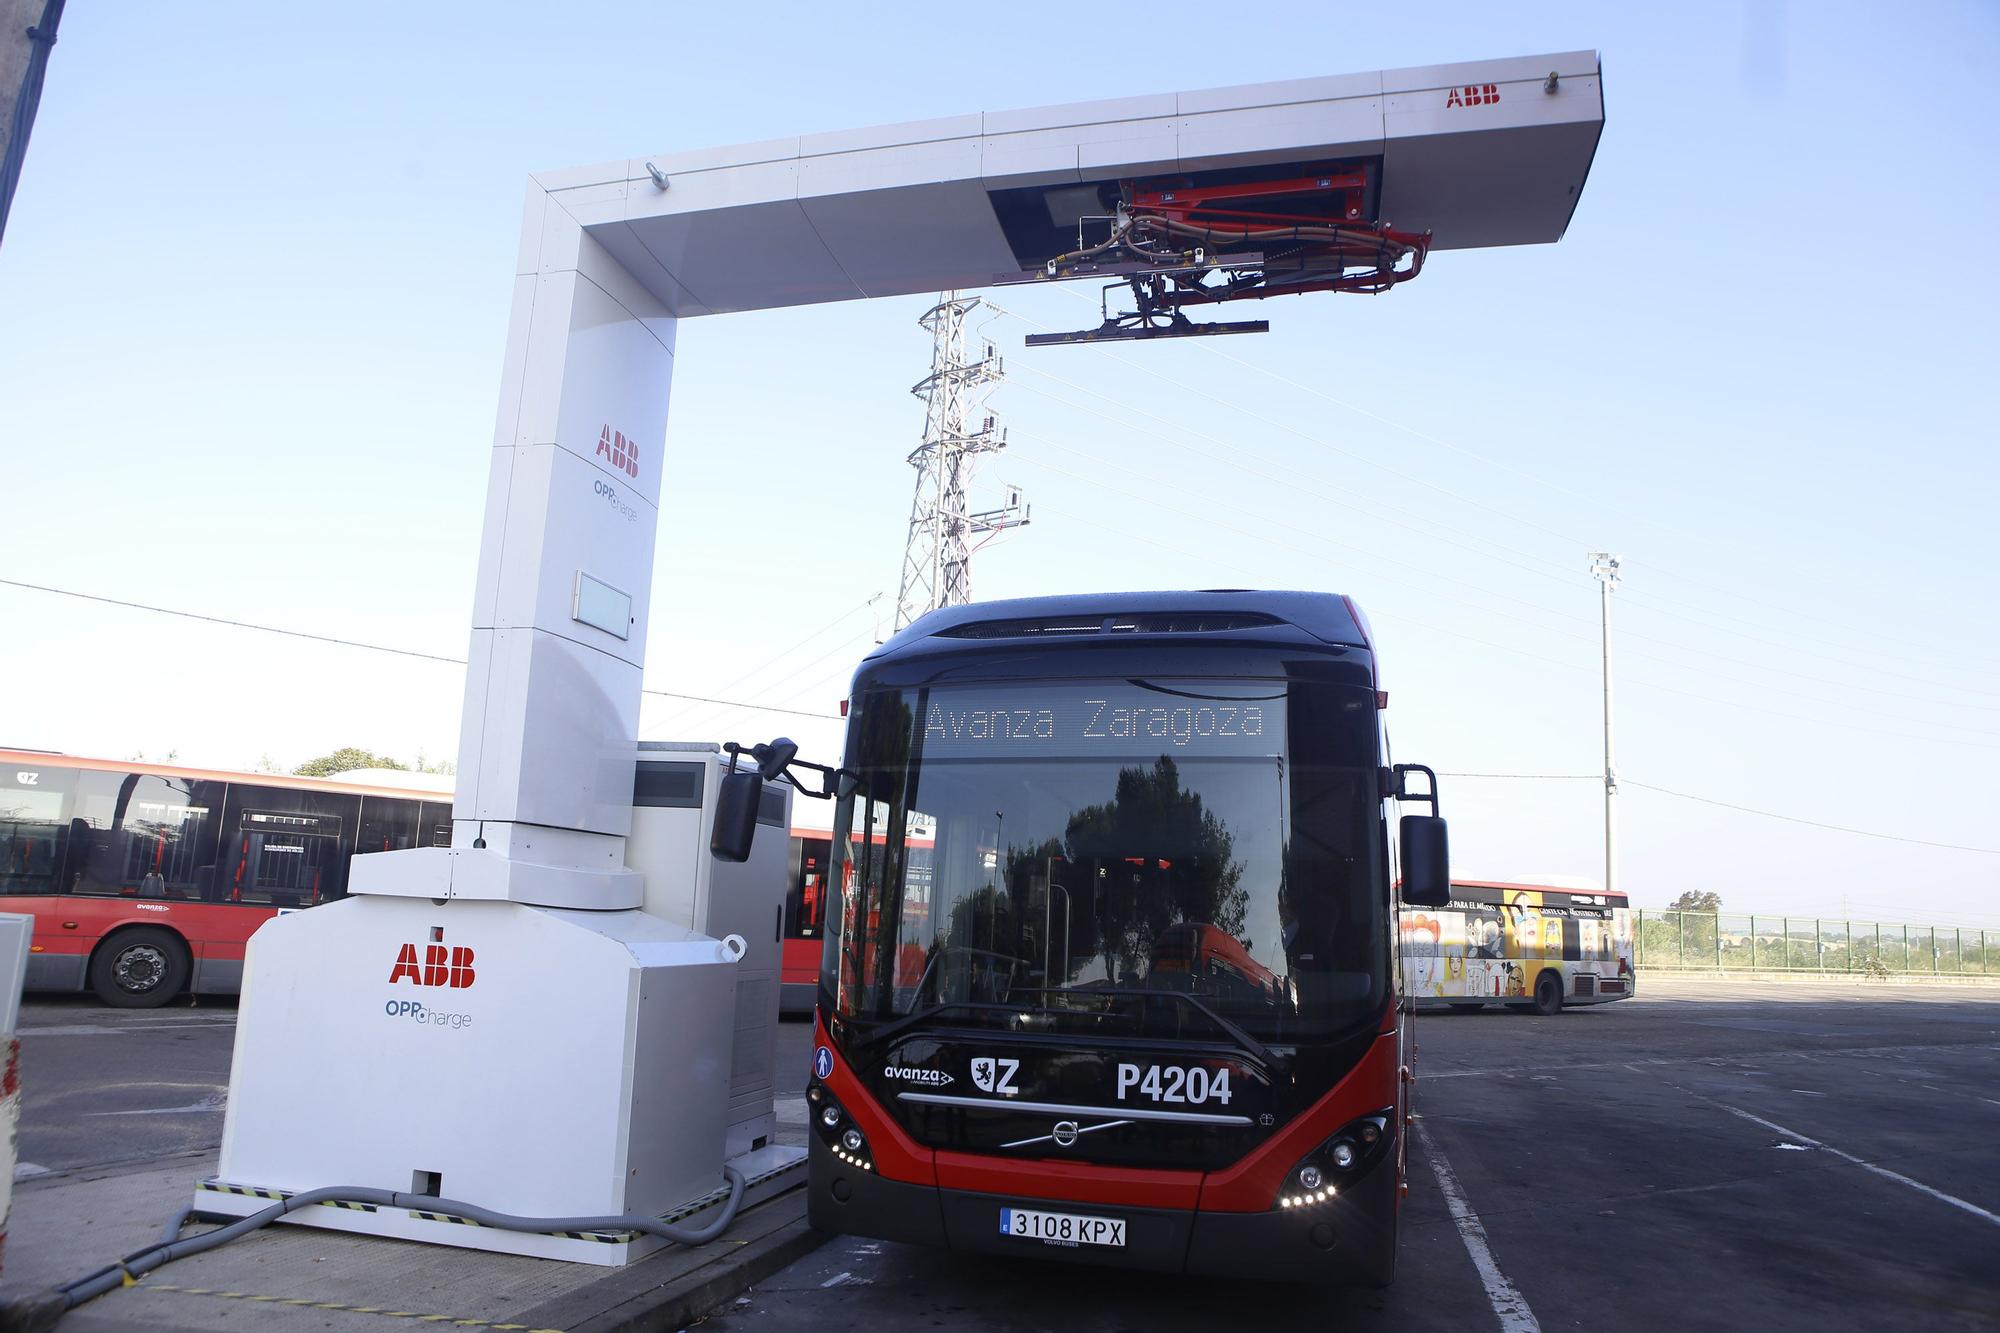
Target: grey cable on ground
(170,1247)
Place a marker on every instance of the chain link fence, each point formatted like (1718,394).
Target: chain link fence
(1726,941)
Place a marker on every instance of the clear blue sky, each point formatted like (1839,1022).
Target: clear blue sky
(253,294)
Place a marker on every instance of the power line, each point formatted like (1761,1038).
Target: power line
(1744,809)
(358,643)
(689,716)
(738,703)
(831,717)
(1794,819)
(237,624)
(1206,347)
(1534,777)
(844,649)
(1294,476)
(1211,521)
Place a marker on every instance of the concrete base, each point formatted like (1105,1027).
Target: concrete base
(767,1171)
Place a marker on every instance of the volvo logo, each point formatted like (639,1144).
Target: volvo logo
(1065,1133)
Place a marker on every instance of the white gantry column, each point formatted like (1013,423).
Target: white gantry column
(552,684)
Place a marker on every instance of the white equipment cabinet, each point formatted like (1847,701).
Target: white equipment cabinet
(673,811)
(633,1049)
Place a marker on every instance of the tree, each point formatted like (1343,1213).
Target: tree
(1697,938)
(342,760)
(1193,876)
(444,766)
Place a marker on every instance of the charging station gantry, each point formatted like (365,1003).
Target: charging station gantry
(569,1013)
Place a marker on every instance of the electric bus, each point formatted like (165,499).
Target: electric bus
(1539,945)
(1147,1012)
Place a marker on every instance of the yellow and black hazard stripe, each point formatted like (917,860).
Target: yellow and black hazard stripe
(381,1311)
(276,1196)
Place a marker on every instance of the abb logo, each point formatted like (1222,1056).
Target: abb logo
(623,453)
(440,967)
(1484,94)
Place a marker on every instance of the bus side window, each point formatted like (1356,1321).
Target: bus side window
(142,835)
(33,833)
(388,825)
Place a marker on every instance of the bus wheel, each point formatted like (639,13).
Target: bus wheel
(139,969)
(1548,994)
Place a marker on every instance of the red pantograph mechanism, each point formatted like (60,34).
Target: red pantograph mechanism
(1177,244)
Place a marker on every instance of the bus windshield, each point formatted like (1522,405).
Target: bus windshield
(1177,858)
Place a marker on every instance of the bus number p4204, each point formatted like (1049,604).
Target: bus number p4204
(1181,1085)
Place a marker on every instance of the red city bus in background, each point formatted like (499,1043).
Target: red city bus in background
(805,910)
(147,880)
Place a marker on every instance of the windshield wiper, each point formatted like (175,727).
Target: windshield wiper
(1236,1033)
(1257,1050)
(908,1021)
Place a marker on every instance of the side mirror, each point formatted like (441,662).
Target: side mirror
(1426,862)
(736,803)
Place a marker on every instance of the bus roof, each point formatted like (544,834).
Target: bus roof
(1325,617)
(1568,883)
(49,759)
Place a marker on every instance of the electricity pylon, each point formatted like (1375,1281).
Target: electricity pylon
(937,558)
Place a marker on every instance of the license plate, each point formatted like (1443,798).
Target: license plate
(1061,1228)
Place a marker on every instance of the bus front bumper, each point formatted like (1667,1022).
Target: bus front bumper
(1350,1239)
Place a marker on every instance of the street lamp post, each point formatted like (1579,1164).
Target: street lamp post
(1604,566)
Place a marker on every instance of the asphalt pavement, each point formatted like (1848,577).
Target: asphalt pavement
(104,1087)
(1709,1154)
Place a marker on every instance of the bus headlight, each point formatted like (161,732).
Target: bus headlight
(849,1144)
(1337,1163)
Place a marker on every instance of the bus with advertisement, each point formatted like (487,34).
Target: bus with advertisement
(1148,1013)
(146,880)
(1537,945)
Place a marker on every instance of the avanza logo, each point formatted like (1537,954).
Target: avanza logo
(440,967)
(621,451)
(1482,94)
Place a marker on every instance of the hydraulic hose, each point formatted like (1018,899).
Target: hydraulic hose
(170,1247)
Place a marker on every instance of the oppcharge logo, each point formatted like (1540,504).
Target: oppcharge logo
(419,1012)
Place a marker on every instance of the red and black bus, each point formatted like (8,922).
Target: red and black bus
(1137,1001)
(805,914)
(147,880)
(805,908)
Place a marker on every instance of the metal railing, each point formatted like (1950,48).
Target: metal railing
(1725,941)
